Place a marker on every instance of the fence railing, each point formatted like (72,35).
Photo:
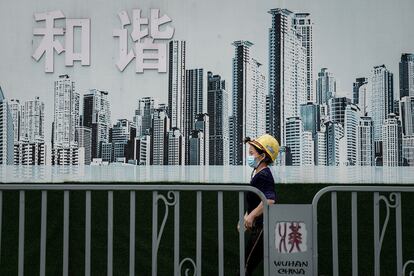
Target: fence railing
(166,200)
(163,196)
(390,196)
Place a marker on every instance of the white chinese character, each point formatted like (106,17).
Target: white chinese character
(84,55)
(48,44)
(156,22)
(137,21)
(158,54)
(125,56)
(145,47)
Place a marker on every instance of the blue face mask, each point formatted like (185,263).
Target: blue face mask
(252,162)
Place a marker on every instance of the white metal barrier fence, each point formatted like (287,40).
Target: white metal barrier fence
(168,196)
(391,197)
(170,199)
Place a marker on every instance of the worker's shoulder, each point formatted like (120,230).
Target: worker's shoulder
(265,174)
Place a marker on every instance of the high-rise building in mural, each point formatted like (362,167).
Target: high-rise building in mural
(107,152)
(392,141)
(360,95)
(307,152)
(29,153)
(365,142)
(32,125)
(406,75)
(177,89)
(217,109)
(232,133)
(83,136)
(195,102)
(382,98)
(201,126)
(15,109)
(408,151)
(122,137)
(249,101)
(294,130)
(143,116)
(28,123)
(97,117)
(320,148)
(351,123)
(325,86)
(407,115)
(66,119)
(336,109)
(287,71)
(175,144)
(144,151)
(304,27)
(66,113)
(176,82)
(160,126)
(196,147)
(334,133)
(310,116)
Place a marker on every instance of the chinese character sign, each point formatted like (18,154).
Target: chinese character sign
(148,52)
(49,44)
(290,237)
(147,35)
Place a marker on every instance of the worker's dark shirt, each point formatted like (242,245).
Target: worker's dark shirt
(263,181)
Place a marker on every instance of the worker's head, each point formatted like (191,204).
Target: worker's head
(263,149)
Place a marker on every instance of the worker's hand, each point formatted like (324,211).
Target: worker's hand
(248,221)
(238,224)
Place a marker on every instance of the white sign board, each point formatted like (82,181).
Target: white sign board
(290,239)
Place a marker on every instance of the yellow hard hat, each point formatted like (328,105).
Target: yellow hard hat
(266,143)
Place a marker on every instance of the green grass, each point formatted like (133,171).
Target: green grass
(289,193)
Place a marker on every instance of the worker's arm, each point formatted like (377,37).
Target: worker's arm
(258,211)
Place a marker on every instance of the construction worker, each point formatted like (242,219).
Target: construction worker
(262,153)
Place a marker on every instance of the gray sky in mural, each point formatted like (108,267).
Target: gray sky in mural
(350,37)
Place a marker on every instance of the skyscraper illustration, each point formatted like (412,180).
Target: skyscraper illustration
(249,101)
(217,109)
(66,119)
(287,71)
(176,88)
(97,117)
(6,133)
